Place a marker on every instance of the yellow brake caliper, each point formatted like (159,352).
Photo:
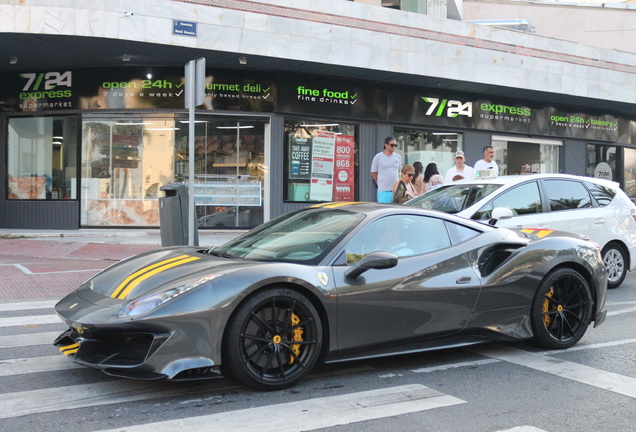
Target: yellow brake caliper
(546,307)
(298,336)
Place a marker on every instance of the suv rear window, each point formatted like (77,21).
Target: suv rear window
(567,195)
(602,194)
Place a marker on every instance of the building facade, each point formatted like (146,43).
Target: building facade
(299,97)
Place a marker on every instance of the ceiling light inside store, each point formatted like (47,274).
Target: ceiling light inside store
(235,127)
(13,60)
(196,121)
(58,137)
(132,123)
(126,57)
(321,125)
(163,129)
(242,60)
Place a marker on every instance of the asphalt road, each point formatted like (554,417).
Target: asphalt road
(491,387)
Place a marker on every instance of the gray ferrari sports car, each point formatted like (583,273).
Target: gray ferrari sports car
(333,282)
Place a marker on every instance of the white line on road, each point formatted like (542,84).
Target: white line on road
(28,339)
(584,374)
(19,366)
(29,320)
(312,414)
(18,306)
(95,394)
(25,270)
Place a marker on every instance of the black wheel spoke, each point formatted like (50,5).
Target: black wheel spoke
(262,322)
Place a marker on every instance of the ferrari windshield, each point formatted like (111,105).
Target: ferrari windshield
(304,236)
(453,198)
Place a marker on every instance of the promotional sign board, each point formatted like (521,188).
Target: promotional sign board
(343,185)
(330,98)
(322,166)
(514,117)
(132,88)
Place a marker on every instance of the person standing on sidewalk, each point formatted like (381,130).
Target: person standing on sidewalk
(385,169)
(488,162)
(460,168)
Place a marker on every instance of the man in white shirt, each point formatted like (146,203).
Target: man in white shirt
(460,168)
(385,169)
(488,162)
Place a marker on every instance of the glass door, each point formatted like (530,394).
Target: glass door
(229,170)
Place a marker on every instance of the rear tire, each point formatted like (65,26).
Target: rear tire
(274,339)
(615,259)
(561,309)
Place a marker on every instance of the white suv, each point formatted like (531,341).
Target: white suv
(595,208)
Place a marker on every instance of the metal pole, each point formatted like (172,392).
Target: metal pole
(191,207)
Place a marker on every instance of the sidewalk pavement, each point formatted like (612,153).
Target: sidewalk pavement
(38,264)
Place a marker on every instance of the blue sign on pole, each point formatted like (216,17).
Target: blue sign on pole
(184,28)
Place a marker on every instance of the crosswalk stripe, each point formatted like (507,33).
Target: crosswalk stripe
(29,320)
(613,382)
(17,306)
(19,366)
(312,414)
(95,394)
(28,339)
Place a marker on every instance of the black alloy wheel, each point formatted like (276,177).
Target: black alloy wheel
(274,339)
(561,309)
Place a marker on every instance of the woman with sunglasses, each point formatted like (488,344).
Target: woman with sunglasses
(403,189)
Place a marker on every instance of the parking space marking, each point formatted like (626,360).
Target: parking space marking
(610,381)
(25,270)
(312,414)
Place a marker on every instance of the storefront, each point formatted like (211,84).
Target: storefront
(93,147)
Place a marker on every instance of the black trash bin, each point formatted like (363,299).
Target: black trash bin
(173,216)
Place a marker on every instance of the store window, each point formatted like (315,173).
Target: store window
(320,161)
(127,161)
(517,155)
(124,163)
(629,172)
(427,146)
(42,158)
(601,161)
(229,170)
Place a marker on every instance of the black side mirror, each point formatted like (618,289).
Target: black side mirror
(374,260)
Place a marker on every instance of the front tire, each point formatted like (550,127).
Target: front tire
(561,309)
(615,260)
(274,339)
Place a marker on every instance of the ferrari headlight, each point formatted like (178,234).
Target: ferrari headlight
(151,302)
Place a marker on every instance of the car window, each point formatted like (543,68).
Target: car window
(460,233)
(567,195)
(402,235)
(522,200)
(453,198)
(602,194)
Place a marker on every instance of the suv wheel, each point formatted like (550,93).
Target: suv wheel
(615,259)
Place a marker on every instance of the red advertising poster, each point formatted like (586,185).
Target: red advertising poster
(343,186)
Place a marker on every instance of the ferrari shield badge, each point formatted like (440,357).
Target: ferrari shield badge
(323,278)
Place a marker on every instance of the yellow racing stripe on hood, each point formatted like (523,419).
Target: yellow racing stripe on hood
(124,288)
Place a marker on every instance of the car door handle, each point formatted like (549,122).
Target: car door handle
(600,221)
(464,280)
